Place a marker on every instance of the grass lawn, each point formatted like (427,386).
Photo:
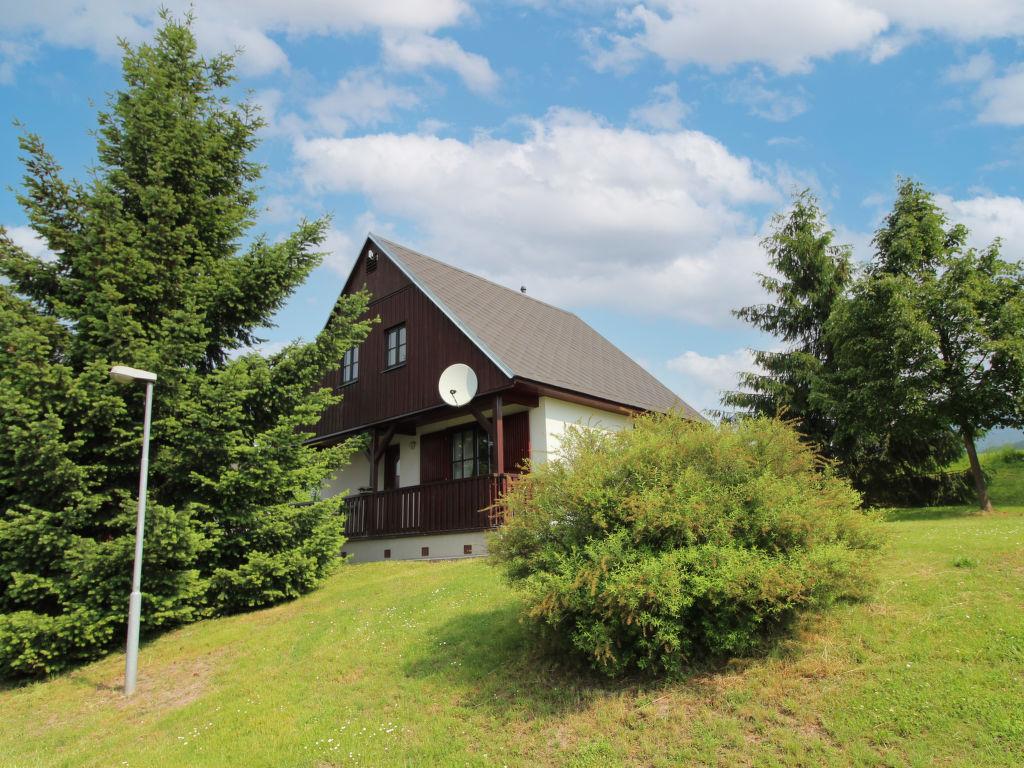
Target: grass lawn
(424,664)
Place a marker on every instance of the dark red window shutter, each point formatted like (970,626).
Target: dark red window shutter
(517,441)
(435,457)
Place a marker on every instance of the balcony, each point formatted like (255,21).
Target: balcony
(442,507)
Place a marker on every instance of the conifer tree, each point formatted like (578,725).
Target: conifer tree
(153,265)
(812,273)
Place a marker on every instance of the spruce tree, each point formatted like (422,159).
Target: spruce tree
(812,271)
(154,266)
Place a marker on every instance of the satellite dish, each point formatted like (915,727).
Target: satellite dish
(457,384)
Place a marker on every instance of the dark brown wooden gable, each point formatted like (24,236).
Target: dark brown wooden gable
(433,343)
(380,282)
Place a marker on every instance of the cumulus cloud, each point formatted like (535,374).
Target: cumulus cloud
(361,98)
(999,94)
(789,35)
(977,67)
(224,24)
(417,50)
(664,112)
(989,217)
(27,239)
(786,35)
(704,378)
(762,101)
(1002,98)
(12,55)
(583,212)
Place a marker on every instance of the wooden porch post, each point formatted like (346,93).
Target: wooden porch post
(499,436)
(381,441)
(374,458)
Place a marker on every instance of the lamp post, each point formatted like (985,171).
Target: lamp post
(125,375)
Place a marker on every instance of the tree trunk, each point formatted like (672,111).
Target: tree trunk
(979,478)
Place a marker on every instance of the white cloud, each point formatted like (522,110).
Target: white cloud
(417,50)
(12,55)
(664,112)
(763,101)
(783,34)
(989,217)
(956,19)
(887,46)
(340,247)
(361,98)
(279,121)
(978,67)
(224,24)
(340,250)
(27,239)
(580,211)
(789,35)
(705,378)
(1003,98)
(999,94)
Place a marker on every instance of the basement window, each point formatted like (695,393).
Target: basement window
(395,346)
(350,365)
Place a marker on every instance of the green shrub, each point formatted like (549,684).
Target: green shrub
(653,547)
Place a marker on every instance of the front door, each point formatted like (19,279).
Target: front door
(391,467)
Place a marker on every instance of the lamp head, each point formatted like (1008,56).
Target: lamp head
(123,374)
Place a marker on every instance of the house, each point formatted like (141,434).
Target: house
(430,470)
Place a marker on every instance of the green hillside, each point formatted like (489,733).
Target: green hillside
(420,664)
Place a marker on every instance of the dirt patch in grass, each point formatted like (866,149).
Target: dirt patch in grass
(168,687)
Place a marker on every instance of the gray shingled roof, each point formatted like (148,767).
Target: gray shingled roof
(533,340)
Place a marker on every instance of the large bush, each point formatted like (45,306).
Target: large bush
(653,547)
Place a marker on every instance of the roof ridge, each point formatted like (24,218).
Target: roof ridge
(475,276)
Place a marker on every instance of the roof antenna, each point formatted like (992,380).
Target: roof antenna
(522,289)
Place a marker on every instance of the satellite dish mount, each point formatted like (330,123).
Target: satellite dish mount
(457,384)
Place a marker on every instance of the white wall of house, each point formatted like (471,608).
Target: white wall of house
(550,418)
(548,422)
(350,478)
(408,460)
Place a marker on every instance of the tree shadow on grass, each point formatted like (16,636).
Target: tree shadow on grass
(913,514)
(502,668)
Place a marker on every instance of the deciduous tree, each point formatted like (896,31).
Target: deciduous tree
(932,339)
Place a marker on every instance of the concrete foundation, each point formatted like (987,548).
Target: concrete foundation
(442,546)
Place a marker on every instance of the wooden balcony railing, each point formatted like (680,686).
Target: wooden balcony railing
(441,507)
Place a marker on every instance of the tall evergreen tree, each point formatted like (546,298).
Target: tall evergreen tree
(153,266)
(932,340)
(812,271)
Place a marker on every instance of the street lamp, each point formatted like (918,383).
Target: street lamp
(122,374)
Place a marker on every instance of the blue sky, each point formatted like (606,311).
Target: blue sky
(618,159)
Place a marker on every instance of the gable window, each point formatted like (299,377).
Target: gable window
(395,345)
(471,453)
(350,365)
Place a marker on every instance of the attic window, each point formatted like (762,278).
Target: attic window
(350,365)
(395,345)
(371,260)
